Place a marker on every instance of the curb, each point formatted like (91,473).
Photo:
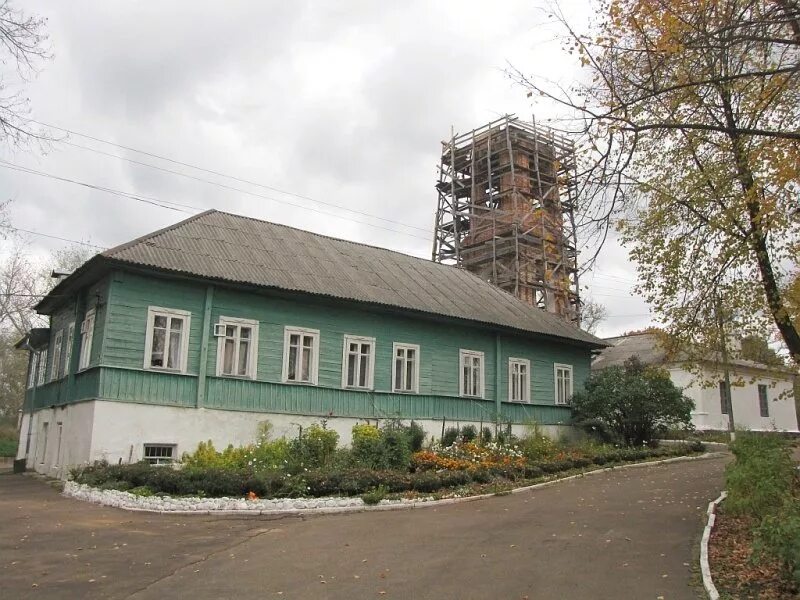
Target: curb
(705,569)
(405,506)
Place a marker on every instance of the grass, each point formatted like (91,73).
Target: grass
(8,438)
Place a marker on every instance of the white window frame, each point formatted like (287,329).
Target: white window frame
(288,331)
(87,336)
(470,354)
(556,368)
(40,380)
(158,311)
(357,339)
(34,370)
(58,349)
(160,460)
(68,351)
(526,391)
(417,362)
(252,361)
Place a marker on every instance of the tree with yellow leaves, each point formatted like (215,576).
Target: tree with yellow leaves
(690,123)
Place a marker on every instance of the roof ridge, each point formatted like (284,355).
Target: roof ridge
(113,250)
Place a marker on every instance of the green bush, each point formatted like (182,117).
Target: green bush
(481,476)
(386,448)
(425,481)
(312,448)
(207,456)
(533,471)
(449,437)
(141,490)
(397,446)
(374,496)
(451,478)
(121,485)
(416,435)
(535,445)
(761,478)
(469,433)
(778,538)
(486,435)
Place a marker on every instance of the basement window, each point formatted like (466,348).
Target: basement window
(159,454)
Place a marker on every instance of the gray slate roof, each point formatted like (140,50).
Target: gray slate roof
(643,345)
(647,348)
(223,246)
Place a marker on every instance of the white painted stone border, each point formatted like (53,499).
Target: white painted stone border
(133,503)
(705,569)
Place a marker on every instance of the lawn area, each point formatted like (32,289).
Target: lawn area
(387,462)
(754,550)
(8,438)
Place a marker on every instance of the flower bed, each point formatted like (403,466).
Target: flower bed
(383,464)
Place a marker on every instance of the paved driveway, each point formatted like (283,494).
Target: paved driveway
(626,534)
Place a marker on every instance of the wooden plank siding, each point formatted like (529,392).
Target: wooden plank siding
(117,371)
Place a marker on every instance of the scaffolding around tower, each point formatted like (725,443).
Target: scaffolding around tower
(507,197)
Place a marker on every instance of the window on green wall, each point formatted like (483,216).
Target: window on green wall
(563,381)
(300,355)
(237,348)
(58,345)
(42,367)
(68,353)
(34,367)
(87,333)
(167,339)
(471,373)
(405,375)
(358,362)
(519,380)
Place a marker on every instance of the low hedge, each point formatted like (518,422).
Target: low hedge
(237,482)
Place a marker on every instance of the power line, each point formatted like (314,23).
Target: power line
(54,237)
(164,203)
(218,174)
(155,202)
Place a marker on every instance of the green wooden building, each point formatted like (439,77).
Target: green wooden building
(206,328)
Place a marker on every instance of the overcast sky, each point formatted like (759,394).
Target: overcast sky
(344,103)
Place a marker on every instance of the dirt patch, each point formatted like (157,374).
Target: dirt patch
(736,574)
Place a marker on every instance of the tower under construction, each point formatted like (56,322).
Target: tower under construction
(507,194)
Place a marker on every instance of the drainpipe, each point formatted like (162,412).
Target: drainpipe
(204,341)
(497,378)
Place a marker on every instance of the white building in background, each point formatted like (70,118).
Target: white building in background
(761,395)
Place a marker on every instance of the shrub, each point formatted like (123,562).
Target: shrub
(397,446)
(761,477)
(778,538)
(533,471)
(417,436)
(312,448)
(455,478)
(469,433)
(481,476)
(449,437)
(267,455)
(536,446)
(556,466)
(486,435)
(637,402)
(116,484)
(141,490)
(425,481)
(597,430)
(374,496)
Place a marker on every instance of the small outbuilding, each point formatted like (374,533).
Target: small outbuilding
(762,396)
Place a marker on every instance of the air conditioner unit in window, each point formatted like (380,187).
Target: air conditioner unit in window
(219,329)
